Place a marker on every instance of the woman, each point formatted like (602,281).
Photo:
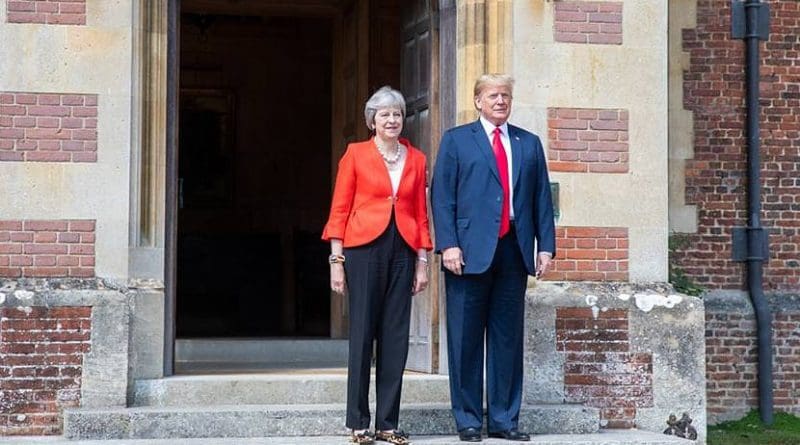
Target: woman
(378,230)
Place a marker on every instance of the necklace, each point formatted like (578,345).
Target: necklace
(389,160)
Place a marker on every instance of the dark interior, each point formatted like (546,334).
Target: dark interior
(256,88)
(255,176)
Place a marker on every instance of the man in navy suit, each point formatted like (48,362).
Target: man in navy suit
(490,196)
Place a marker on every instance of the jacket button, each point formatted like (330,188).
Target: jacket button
(499,199)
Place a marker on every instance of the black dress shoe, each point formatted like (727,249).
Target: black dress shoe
(511,435)
(470,435)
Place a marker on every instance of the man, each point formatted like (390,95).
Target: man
(490,196)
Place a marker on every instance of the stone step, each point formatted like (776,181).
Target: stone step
(626,437)
(275,389)
(208,354)
(294,420)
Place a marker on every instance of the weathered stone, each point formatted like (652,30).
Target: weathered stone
(662,324)
(629,437)
(293,420)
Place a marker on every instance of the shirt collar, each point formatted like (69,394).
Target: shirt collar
(489,127)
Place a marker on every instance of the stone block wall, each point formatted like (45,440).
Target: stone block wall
(715,173)
(732,355)
(635,351)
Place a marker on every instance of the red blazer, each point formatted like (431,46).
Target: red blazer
(362,198)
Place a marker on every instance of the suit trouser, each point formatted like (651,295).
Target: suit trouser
(379,281)
(488,305)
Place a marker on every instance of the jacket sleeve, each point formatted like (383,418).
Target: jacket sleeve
(342,202)
(543,217)
(422,206)
(443,194)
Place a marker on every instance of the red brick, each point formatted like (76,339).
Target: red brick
(73,8)
(10,248)
(81,226)
(84,156)
(47,157)
(25,17)
(10,272)
(21,6)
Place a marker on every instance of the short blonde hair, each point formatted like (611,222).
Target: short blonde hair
(493,79)
(385,97)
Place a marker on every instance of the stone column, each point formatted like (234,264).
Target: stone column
(148,148)
(484,39)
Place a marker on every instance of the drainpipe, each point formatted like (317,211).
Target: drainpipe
(750,21)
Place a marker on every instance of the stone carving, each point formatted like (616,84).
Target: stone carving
(681,428)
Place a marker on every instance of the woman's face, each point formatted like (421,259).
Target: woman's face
(388,123)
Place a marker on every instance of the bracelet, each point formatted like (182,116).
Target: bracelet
(335,258)
(423,259)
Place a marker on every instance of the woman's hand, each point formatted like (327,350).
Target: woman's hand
(420,276)
(337,278)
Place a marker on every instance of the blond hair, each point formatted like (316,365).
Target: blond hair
(493,79)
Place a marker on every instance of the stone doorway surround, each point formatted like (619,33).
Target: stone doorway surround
(476,37)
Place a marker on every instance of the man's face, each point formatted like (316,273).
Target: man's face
(494,103)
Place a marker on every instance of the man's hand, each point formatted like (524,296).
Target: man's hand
(543,264)
(452,259)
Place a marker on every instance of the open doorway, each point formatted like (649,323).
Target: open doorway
(270,93)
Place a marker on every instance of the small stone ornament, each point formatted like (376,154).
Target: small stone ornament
(681,428)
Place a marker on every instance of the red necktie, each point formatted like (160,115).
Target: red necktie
(502,168)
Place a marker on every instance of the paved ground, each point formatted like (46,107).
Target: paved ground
(610,438)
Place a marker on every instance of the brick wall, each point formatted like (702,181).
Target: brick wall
(599,368)
(41,363)
(714,90)
(588,22)
(732,363)
(47,248)
(584,140)
(48,127)
(53,12)
(590,254)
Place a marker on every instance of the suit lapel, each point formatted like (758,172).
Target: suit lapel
(516,154)
(482,141)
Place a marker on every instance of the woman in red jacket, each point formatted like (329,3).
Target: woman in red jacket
(378,230)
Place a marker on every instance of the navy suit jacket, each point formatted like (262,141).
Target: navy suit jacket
(466,196)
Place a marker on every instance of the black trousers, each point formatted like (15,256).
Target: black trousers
(379,281)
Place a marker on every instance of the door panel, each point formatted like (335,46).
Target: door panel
(415,83)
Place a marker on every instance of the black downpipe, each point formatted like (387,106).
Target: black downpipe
(756,239)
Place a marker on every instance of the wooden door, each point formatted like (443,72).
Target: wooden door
(419,85)
(350,72)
